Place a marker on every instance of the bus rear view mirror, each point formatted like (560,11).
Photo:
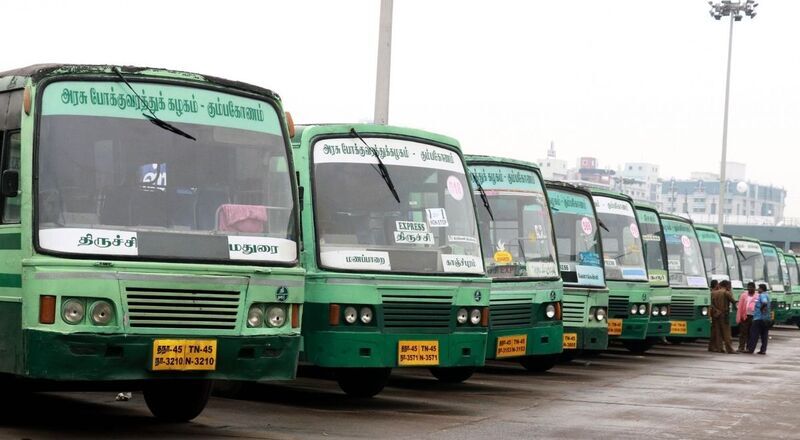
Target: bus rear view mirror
(9,183)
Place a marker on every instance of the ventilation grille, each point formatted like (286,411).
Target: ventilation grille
(618,306)
(416,311)
(682,307)
(510,312)
(184,309)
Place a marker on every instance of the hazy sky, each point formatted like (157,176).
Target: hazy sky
(623,80)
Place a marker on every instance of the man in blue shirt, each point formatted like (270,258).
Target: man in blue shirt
(761,322)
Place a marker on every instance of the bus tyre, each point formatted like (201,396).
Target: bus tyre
(362,382)
(452,374)
(177,400)
(637,346)
(539,364)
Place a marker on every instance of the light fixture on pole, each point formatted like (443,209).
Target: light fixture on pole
(736,10)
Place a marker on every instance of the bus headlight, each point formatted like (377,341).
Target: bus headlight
(655,311)
(255,316)
(350,314)
(461,316)
(664,310)
(365,315)
(475,317)
(550,311)
(642,309)
(276,316)
(73,311)
(704,311)
(102,313)
(634,309)
(600,314)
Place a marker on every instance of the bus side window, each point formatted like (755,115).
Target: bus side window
(11,158)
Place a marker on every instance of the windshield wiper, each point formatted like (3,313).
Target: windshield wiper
(381,167)
(152,116)
(484,198)
(602,225)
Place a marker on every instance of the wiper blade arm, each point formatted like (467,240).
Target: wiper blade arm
(484,198)
(602,225)
(152,116)
(382,170)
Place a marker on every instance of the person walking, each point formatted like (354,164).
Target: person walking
(721,301)
(761,321)
(744,315)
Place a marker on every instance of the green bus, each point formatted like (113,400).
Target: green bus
(519,254)
(585,302)
(793,292)
(391,247)
(148,236)
(732,259)
(691,297)
(714,256)
(774,272)
(625,269)
(655,251)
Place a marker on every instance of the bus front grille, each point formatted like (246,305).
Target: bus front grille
(510,312)
(574,311)
(416,311)
(182,309)
(617,306)
(682,307)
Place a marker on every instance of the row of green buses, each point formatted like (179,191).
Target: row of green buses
(162,230)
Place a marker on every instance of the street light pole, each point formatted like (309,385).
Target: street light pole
(384,63)
(735,10)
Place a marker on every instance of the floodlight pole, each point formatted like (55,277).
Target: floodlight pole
(723,184)
(384,63)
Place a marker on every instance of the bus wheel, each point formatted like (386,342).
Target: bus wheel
(362,382)
(539,364)
(177,400)
(452,374)
(637,346)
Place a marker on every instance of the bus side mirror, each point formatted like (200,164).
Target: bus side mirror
(9,183)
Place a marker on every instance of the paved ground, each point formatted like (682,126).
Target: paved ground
(672,392)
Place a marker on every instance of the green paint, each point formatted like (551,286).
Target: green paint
(570,203)
(10,241)
(648,217)
(708,236)
(169,102)
(10,280)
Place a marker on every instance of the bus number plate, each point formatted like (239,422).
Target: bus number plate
(570,341)
(677,328)
(184,355)
(511,346)
(614,327)
(417,353)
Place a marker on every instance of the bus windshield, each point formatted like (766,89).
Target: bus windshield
(577,238)
(732,258)
(684,257)
(713,255)
(622,243)
(791,262)
(111,182)
(361,226)
(773,268)
(784,269)
(518,243)
(653,251)
(751,260)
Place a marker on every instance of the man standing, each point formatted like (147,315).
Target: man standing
(744,315)
(761,321)
(721,300)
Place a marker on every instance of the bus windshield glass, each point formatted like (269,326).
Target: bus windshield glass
(732,258)
(622,243)
(577,238)
(112,182)
(791,263)
(751,260)
(773,267)
(361,226)
(713,255)
(650,228)
(684,259)
(518,243)
(784,269)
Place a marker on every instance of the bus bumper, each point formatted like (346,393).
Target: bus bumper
(542,340)
(589,338)
(658,328)
(697,328)
(97,357)
(633,328)
(345,349)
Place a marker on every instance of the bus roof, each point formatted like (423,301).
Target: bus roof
(674,217)
(706,228)
(15,78)
(565,186)
(303,133)
(743,238)
(609,193)
(480,158)
(647,206)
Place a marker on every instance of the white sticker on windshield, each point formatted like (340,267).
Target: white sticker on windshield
(610,262)
(609,205)
(461,263)
(586,226)
(565,267)
(89,241)
(354,259)
(454,188)
(687,243)
(462,239)
(437,217)
(737,284)
(245,247)
(403,237)
(674,265)
(412,226)
(634,230)
(541,269)
(696,281)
